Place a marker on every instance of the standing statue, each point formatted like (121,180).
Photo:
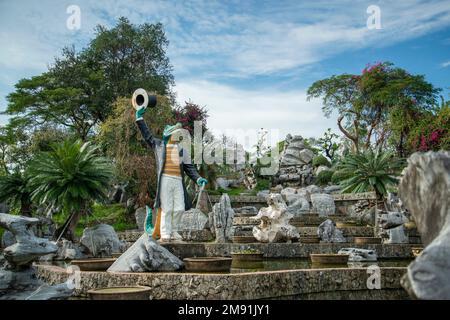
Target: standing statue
(172,162)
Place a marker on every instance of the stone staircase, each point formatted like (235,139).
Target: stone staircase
(306,223)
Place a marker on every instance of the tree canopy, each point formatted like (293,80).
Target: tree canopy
(379,105)
(79,88)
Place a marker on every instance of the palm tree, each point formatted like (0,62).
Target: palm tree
(369,171)
(15,191)
(72,175)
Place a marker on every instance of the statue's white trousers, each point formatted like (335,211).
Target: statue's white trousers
(172,205)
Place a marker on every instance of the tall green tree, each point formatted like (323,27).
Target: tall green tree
(70,176)
(78,90)
(372,107)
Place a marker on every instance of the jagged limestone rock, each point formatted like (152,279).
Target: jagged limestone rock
(392,224)
(425,191)
(101,240)
(359,255)
(146,255)
(221,223)
(18,278)
(295,163)
(27,247)
(274,222)
(323,203)
(194,226)
(297,204)
(363,212)
(327,232)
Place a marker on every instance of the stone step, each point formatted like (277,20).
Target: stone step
(299,221)
(285,250)
(348,232)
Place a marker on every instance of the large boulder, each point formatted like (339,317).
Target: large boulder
(146,255)
(27,246)
(323,204)
(327,232)
(425,191)
(295,152)
(18,279)
(101,240)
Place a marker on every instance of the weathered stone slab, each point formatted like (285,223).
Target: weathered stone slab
(243,286)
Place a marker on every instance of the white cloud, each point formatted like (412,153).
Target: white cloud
(237,109)
(445,64)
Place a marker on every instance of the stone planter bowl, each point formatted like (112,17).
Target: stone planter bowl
(367,240)
(208,264)
(120,293)
(244,239)
(334,259)
(93,264)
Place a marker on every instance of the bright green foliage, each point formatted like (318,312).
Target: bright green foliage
(382,102)
(328,144)
(324,177)
(79,89)
(369,171)
(15,191)
(72,174)
(337,177)
(320,160)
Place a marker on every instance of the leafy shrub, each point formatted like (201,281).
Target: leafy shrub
(369,171)
(324,177)
(337,177)
(320,160)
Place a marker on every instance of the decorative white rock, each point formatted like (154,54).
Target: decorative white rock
(274,226)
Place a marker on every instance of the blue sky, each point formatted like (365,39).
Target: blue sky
(249,62)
